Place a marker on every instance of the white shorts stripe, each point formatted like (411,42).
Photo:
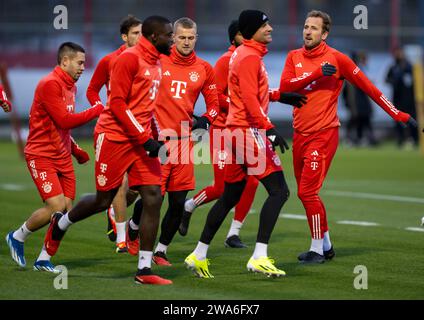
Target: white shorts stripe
(257,137)
(99,143)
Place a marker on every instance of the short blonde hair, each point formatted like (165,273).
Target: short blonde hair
(186,23)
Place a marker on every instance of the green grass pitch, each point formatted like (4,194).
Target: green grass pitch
(362,185)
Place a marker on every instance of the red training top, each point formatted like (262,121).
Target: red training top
(183,79)
(248,87)
(52,116)
(134,83)
(303,73)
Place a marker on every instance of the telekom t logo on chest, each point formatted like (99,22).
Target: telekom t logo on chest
(179,87)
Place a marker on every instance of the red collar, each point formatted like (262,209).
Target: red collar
(180,59)
(260,47)
(122,48)
(150,53)
(317,51)
(66,78)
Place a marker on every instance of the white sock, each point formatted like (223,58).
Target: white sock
(133,225)
(316,246)
(201,250)
(189,205)
(145,259)
(22,233)
(161,247)
(44,255)
(235,228)
(261,250)
(120,232)
(64,223)
(327,242)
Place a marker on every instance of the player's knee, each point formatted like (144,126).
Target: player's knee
(56,205)
(178,205)
(103,204)
(305,196)
(280,194)
(218,190)
(230,200)
(152,200)
(285,192)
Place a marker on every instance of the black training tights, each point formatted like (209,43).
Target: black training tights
(172,218)
(278,194)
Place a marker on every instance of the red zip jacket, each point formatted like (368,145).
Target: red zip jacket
(101,76)
(183,79)
(248,87)
(221,76)
(302,73)
(134,83)
(52,116)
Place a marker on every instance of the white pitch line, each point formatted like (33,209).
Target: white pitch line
(293,216)
(415,229)
(373,196)
(349,222)
(12,187)
(358,223)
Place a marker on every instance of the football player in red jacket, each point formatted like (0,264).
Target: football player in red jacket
(318,71)
(49,147)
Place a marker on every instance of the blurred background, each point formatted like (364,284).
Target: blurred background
(29,40)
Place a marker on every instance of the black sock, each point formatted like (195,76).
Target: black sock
(144,272)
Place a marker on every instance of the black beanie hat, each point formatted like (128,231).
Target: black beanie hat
(233,28)
(250,21)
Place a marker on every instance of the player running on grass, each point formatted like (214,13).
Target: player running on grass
(184,77)
(250,142)
(219,154)
(49,147)
(318,71)
(125,144)
(130,29)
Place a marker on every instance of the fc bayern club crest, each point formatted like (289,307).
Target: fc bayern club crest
(47,187)
(194,76)
(101,180)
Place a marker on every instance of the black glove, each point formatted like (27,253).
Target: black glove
(328,69)
(152,147)
(201,123)
(411,123)
(277,140)
(293,98)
